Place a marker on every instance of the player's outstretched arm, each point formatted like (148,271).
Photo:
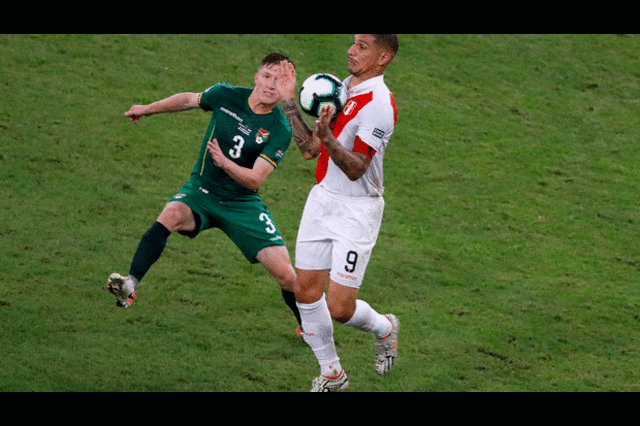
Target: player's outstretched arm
(302,134)
(175,103)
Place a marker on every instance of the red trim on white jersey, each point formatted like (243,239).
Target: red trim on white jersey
(395,109)
(362,148)
(369,115)
(348,113)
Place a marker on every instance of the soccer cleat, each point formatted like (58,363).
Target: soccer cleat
(123,288)
(387,348)
(331,384)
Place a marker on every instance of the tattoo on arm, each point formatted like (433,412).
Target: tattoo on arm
(302,134)
(352,164)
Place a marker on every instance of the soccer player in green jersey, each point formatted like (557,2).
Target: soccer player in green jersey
(245,141)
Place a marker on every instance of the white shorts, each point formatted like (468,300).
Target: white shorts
(338,233)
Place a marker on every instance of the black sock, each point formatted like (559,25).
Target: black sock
(290,300)
(149,250)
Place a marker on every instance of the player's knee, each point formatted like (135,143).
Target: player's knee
(287,279)
(307,294)
(177,217)
(340,310)
(309,286)
(285,276)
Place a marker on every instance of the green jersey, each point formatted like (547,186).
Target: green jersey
(243,136)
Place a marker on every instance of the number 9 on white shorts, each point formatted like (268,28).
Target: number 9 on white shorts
(347,263)
(338,234)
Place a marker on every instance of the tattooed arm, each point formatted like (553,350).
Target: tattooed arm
(308,144)
(352,164)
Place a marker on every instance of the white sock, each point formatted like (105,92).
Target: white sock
(365,318)
(318,333)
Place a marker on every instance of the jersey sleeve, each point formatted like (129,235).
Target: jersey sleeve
(209,98)
(278,144)
(376,125)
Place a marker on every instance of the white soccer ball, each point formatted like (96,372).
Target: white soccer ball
(322,90)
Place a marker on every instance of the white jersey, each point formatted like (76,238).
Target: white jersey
(341,219)
(369,114)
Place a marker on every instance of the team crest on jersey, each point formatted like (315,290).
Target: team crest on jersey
(349,107)
(262,136)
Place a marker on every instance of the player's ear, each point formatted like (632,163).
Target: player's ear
(384,58)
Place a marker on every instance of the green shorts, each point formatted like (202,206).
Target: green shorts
(248,223)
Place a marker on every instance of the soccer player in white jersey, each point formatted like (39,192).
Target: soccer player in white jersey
(343,213)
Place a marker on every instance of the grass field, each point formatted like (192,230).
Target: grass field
(509,248)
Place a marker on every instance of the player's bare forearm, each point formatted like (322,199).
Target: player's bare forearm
(244,176)
(175,103)
(302,134)
(249,178)
(353,164)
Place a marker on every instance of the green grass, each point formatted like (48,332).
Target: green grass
(509,248)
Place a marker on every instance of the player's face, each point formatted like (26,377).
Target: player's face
(363,54)
(265,80)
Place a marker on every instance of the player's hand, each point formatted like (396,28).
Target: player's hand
(286,84)
(135,112)
(216,153)
(322,130)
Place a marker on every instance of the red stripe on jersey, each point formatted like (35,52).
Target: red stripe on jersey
(348,113)
(323,164)
(360,146)
(395,109)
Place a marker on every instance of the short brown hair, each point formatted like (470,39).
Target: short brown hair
(274,58)
(388,42)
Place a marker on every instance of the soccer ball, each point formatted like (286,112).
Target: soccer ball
(322,90)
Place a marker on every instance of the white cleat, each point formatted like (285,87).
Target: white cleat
(123,288)
(387,348)
(331,384)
